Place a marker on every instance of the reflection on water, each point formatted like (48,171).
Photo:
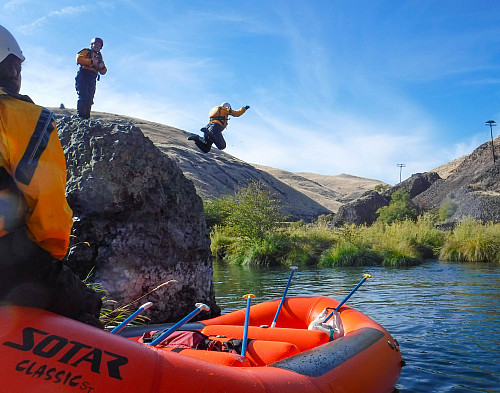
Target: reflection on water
(444,315)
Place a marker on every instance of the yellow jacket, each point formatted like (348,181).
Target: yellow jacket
(219,114)
(84,58)
(33,175)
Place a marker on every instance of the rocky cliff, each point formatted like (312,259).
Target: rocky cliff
(473,186)
(363,210)
(138,219)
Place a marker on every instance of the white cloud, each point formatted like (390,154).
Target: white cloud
(14,4)
(63,12)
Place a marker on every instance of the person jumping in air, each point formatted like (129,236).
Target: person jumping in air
(91,68)
(219,117)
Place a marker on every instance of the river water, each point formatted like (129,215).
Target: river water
(444,315)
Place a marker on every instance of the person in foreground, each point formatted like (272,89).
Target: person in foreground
(35,218)
(91,68)
(219,117)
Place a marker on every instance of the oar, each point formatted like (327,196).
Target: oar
(365,276)
(284,295)
(199,308)
(249,298)
(120,327)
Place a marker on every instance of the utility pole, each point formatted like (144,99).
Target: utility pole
(401,166)
(492,123)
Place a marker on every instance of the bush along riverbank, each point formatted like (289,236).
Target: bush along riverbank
(246,230)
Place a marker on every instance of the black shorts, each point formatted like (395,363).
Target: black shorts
(30,276)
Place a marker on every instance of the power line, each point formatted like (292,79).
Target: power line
(492,123)
(401,166)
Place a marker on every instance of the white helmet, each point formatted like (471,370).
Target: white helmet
(226,104)
(9,45)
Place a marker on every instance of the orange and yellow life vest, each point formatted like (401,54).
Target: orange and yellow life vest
(220,114)
(33,175)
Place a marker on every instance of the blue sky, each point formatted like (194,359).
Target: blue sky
(334,86)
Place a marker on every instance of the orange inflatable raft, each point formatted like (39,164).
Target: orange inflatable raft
(44,352)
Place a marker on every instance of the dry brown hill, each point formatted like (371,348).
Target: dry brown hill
(330,191)
(444,171)
(217,173)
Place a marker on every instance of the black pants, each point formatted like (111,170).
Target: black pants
(30,276)
(85,83)
(213,134)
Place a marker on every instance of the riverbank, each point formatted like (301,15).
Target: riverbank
(401,243)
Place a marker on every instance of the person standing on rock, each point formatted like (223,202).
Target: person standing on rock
(91,68)
(35,218)
(219,117)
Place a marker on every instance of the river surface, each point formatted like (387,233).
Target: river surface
(444,315)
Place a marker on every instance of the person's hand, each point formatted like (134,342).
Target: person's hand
(94,63)
(101,66)
(248,106)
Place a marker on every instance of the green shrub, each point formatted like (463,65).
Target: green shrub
(251,214)
(222,243)
(400,208)
(256,212)
(217,210)
(447,209)
(380,188)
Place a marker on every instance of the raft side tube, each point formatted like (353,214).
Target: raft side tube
(354,363)
(325,358)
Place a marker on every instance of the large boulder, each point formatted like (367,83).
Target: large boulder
(138,220)
(364,209)
(415,184)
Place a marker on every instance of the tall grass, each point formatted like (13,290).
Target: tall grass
(472,241)
(111,315)
(401,243)
(346,253)
(404,242)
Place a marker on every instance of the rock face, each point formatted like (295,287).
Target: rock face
(141,217)
(416,184)
(474,187)
(362,210)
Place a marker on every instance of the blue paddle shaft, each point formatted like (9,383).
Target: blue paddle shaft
(179,324)
(122,325)
(283,298)
(245,329)
(345,300)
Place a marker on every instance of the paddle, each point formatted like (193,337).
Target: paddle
(120,327)
(199,308)
(365,276)
(284,295)
(249,298)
